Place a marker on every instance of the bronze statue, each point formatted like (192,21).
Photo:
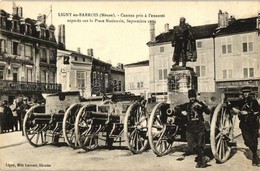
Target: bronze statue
(184,43)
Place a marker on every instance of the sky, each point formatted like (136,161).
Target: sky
(125,42)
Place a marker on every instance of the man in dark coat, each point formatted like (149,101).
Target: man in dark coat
(248,114)
(181,36)
(8,117)
(195,132)
(24,108)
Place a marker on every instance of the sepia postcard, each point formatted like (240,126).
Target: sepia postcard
(101,85)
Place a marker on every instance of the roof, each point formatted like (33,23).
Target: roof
(238,26)
(77,53)
(199,32)
(115,69)
(141,63)
(210,30)
(101,62)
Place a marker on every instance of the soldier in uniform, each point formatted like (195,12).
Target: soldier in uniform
(195,132)
(181,36)
(248,114)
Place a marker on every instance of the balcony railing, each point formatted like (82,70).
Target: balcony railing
(7,86)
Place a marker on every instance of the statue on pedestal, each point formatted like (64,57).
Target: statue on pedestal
(184,44)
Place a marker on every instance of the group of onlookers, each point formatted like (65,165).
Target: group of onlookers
(11,115)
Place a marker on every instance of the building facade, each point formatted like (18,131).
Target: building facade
(101,83)
(75,74)
(227,55)
(118,78)
(28,51)
(137,78)
(237,53)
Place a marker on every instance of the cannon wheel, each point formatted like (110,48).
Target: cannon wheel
(135,128)
(34,132)
(68,125)
(83,129)
(157,130)
(221,132)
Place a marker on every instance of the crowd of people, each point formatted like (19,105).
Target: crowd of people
(12,114)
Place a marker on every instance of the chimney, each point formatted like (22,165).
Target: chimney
(41,18)
(61,36)
(90,52)
(20,11)
(15,9)
(166,27)
(152,31)
(222,19)
(78,49)
(120,65)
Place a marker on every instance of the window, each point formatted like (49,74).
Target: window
(51,35)
(2,45)
(247,44)
(161,49)
(245,70)
(162,69)
(43,76)
(229,47)
(226,46)
(28,50)
(29,75)
(197,68)
(248,72)
(1,73)
(132,85)
(224,50)
(3,22)
(28,29)
(244,47)
(43,33)
(52,77)
(43,55)
(117,85)
(76,58)
(81,79)
(200,71)
(83,59)
(94,76)
(227,73)
(15,25)
(199,44)
(52,56)
(15,48)
(106,80)
(140,84)
(251,72)
(224,74)
(230,73)
(15,74)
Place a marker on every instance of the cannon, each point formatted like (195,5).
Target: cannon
(122,117)
(55,120)
(166,127)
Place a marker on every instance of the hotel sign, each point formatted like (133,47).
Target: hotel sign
(237,84)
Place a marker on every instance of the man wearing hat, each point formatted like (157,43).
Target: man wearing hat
(248,113)
(195,132)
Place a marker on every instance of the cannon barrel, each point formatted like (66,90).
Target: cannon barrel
(169,112)
(42,117)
